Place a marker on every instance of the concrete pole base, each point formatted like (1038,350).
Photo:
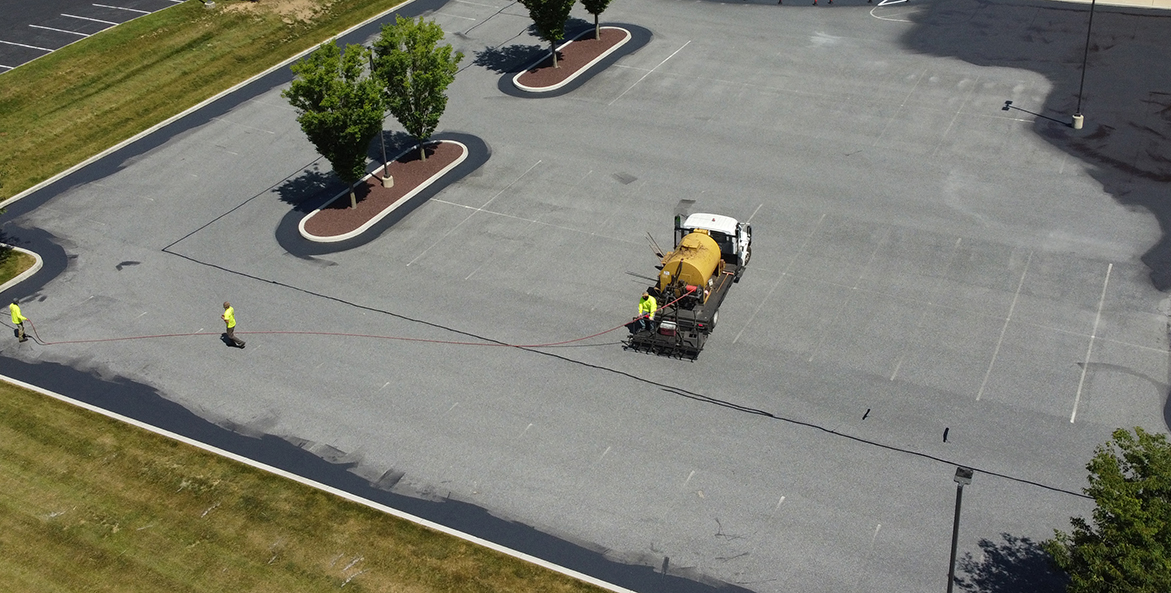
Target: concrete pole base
(209,4)
(1078,121)
(387,180)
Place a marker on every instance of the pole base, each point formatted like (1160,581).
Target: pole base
(387,180)
(1078,121)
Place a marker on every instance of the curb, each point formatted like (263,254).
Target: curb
(386,211)
(25,275)
(545,89)
(323,487)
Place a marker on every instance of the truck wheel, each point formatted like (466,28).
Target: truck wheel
(715,318)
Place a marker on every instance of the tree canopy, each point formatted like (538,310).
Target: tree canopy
(415,72)
(1127,546)
(549,17)
(596,8)
(339,106)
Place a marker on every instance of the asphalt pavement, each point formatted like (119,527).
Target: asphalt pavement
(939,278)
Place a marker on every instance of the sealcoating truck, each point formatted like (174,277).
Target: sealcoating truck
(711,252)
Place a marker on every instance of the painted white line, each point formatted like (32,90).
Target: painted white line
(24,45)
(1089,349)
(784,273)
(469,217)
(689,476)
(325,488)
(918,79)
(875,536)
(37,265)
(544,89)
(7,67)
(123,8)
(754,213)
(1004,328)
(86,18)
(648,73)
(849,297)
(59,30)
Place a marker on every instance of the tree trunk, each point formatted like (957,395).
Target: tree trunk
(553,46)
(597,29)
(353,197)
(422,151)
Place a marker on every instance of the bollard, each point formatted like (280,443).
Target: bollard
(1078,121)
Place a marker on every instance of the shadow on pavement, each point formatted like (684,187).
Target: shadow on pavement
(1016,565)
(1126,141)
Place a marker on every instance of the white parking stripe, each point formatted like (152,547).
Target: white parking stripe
(86,18)
(59,30)
(123,8)
(7,67)
(1004,328)
(1089,349)
(23,45)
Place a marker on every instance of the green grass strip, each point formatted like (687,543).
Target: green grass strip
(93,503)
(61,109)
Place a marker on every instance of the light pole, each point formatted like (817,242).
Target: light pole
(1078,118)
(387,180)
(962,478)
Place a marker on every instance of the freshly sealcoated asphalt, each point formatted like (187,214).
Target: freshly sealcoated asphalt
(926,262)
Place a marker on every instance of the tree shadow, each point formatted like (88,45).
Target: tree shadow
(1016,565)
(301,190)
(1127,134)
(396,142)
(509,59)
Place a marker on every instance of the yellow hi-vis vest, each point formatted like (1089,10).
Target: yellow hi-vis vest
(17,318)
(647,307)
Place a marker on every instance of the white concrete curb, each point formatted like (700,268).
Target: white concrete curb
(387,211)
(21,277)
(325,488)
(545,89)
(196,107)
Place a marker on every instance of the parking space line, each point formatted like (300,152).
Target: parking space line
(648,73)
(474,211)
(86,18)
(7,67)
(1004,328)
(784,273)
(23,45)
(850,297)
(123,8)
(59,30)
(1089,349)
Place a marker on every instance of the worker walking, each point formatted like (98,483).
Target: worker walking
(18,320)
(229,318)
(646,312)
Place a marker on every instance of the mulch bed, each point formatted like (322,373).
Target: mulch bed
(571,58)
(408,172)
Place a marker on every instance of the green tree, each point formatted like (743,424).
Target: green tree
(549,17)
(415,71)
(596,8)
(1127,548)
(339,106)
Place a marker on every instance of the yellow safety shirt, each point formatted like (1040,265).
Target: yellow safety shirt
(230,317)
(647,307)
(16,316)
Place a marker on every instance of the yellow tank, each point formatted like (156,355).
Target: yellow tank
(694,261)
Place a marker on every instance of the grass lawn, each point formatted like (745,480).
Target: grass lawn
(61,109)
(91,503)
(14,264)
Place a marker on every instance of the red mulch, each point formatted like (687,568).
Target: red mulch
(571,58)
(408,172)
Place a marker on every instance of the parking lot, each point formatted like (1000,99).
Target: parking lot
(936,281)
(33,29)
